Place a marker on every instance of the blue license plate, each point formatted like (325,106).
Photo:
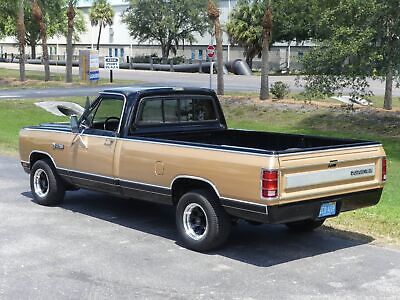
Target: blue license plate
(327,210)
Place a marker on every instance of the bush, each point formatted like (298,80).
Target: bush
(157,60)
(279,89)
(177,60)
(146,59)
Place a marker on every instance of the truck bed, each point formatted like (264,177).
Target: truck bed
(274,143)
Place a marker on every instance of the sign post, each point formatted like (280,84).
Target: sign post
(211,55)
(111,63)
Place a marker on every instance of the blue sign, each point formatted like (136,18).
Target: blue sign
(94,75)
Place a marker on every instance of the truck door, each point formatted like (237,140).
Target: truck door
(94,148)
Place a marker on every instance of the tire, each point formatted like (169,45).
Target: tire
(46,186)
(202,223)
(306,225)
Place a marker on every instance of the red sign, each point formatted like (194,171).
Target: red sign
(211,51)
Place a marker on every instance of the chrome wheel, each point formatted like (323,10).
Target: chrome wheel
(195,221)
(41,183)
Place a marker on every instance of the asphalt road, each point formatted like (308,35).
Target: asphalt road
(98,247)
(233,83)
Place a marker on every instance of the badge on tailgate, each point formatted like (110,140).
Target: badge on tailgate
(298,180)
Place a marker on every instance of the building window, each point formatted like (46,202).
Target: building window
(116,52)
(109,51)
(122,52)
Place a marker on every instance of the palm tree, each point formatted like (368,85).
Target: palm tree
(214,13)
(101,14)
(71,13)
(245,29)
(21,39)
(267,30)
(38,16)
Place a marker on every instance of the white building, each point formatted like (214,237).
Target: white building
(116,41)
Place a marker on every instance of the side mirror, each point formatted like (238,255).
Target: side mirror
(74,124)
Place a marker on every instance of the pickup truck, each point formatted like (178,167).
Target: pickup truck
(173,146)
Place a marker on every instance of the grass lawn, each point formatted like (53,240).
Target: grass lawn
(381,221)
(9,80)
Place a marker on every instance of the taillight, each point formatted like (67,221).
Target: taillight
(269,184)
(384,169)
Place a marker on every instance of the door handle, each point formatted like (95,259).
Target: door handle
(108,142)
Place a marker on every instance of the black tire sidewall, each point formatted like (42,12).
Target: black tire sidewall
(56,187)
(218,222)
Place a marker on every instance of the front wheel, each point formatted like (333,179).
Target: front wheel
(46,186)
(306,225)
(202,223)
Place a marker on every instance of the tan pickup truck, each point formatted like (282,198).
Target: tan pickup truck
(173,146)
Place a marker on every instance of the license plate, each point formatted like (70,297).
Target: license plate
(327,210)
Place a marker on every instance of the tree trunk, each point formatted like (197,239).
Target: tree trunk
(249,61)
(98,38)
(70,50)
(164,53)
(267,30)
(220,58)
(38,15)
(389,89)
(33,50)
(21,40)
(264,91)
(45,57)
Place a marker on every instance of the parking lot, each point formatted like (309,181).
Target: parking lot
(96,246)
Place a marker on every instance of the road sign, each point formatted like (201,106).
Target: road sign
(111,63)
(89,65)
(211,51)
(94,73)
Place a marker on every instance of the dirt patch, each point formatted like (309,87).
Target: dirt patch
(6,82)
(306,105)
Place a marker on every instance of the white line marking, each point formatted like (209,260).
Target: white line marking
(9,96)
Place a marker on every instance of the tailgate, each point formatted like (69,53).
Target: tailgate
(317,174)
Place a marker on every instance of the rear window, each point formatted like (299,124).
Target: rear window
(151,112)
(170,111)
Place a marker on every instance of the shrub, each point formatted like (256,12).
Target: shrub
(157,60)
(146,59)
(279,89)
(178,60)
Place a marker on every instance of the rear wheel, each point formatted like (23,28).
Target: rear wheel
(46,186)
(306,225)
(202,223)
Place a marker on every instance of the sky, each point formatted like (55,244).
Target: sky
(113,2)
